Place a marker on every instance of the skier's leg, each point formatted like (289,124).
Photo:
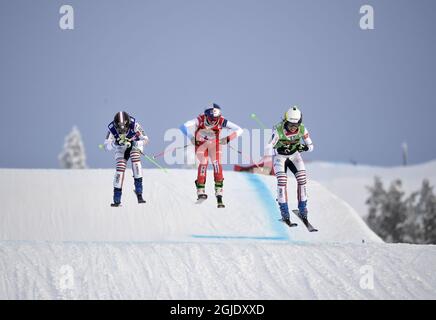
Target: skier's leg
(282,181)
(119,179)
(296,165)
(201,153)
(135,157)
(215,156)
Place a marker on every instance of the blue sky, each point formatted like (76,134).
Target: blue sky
(362,93)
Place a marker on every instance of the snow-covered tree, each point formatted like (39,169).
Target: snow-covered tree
(394,212)
(73,155)
(411,227)
(375,201)
(395,219)
(426,209)
(387,210)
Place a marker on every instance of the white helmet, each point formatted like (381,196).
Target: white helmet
(293,115)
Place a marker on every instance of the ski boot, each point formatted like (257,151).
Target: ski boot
(140,198)
(138,190)
(302,209)
(117,197)
(219,200)
(302,214)
(284,210)
(219,194)
(201,194)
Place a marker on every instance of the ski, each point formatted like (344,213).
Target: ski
(115,205)
(288,223)
(306,222)
(201,198)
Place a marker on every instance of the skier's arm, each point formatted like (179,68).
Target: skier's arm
(274,139)
(109,142)
(188,125)
(236,130)
(140,134)
(307,141)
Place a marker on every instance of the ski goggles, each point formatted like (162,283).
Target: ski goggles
(290,125)
(122,128)
(212,114)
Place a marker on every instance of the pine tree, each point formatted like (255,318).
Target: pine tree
(426,208)
(73,155)
(375,201)
(387,210)
(394,212)
(411,227)
(395,219)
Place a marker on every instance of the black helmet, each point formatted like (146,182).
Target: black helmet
(122,122)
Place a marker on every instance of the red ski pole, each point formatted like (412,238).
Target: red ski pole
(168,151)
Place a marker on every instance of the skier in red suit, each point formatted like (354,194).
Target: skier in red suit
(207,128)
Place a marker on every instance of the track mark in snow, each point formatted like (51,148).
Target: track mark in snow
(269,206)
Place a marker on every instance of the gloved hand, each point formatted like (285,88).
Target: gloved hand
(123,141)
(224,140)
(302,148)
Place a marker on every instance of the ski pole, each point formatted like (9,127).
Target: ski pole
(240,152)
(168,151)
(233,148)
(255,118)
(152,161)
(146,157)
(155,163)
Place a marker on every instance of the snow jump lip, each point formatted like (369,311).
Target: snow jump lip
(252,214)
(229,237)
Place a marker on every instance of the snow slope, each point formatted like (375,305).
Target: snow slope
(57,225)
(349,182)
